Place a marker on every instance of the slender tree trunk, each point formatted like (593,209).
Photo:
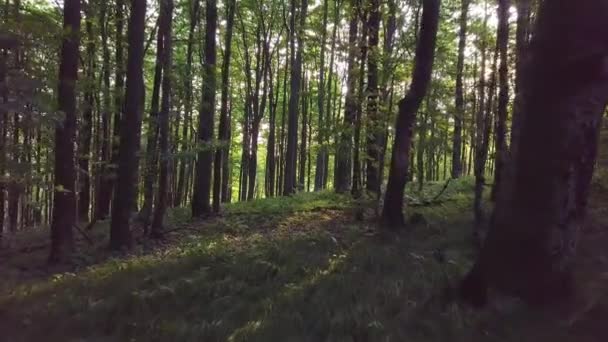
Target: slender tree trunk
(294,97)
(194,7)
(330,83)
(320,167)
(226,165)
(357,180)
(373,120)
(503,97)
(531,245)
(304,135)
(86,131)
(202,185)
(124,194)
(64,208)
(223,152)
(152,152)
(459,97)
(162,196)
(408,106)
(480,149)
(271,146)
(345,147)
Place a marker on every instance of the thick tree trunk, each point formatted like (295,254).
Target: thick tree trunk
(223,152)
(202,184)
(344,149)
(64,207)
(294,97)
(503,96)
(459,97)
(543,197)
(408,106)
(163,181)
(124,194)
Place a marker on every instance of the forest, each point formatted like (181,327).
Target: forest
(303,170)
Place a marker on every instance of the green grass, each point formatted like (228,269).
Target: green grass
(296,269)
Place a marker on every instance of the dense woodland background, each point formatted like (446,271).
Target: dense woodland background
(123,123)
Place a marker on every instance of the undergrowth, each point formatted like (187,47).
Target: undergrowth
(289,269)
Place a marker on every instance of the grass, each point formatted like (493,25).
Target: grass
(295,269)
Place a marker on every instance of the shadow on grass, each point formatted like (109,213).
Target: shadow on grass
(293,270)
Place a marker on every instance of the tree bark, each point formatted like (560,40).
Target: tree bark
(374,130)
(320,166)
(345,147)
(202,185)
(542,200)
(459,97)
(503,96)
(223,152)
(163,181)
(296,75)
(124,194)
(408,106)
(64,206)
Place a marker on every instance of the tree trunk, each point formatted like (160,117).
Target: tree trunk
(124,194)
(304,135)
(503,96)
(374,130)
(86,131)
(459,97)
(408,106)
(543,197)
(480,150)
(320,166)
(357,181)
(202,183)
(153,123)
(163,181)
(294,97)
(64,207)
(223,152)
(344,149)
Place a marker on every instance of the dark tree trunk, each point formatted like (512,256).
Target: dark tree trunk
(194,6)
(344,149)
(543,197)
(459,97)
(3,140)
(408,106)
(271,146)
(163,181)
(64,207)
(202,184)
(503,96)
(223,152)
(481,150)
(294,97)
(281,171)
(102,190)
(153,126)
(374,129)
(126,182)
(226,165)
(357,180)
(304,135)
(86,131)
(320,166)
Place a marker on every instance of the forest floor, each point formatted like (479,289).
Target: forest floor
(296,269)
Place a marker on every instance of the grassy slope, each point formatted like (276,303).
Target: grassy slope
(298,269)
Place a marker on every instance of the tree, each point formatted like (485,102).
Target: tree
(126,182)
(459,97)
(64,207)
(503,96)
(374,129)
(163,182)
(345,147)
(542,199)
(294,96)
(408,106)
(202,184)
(223,134)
